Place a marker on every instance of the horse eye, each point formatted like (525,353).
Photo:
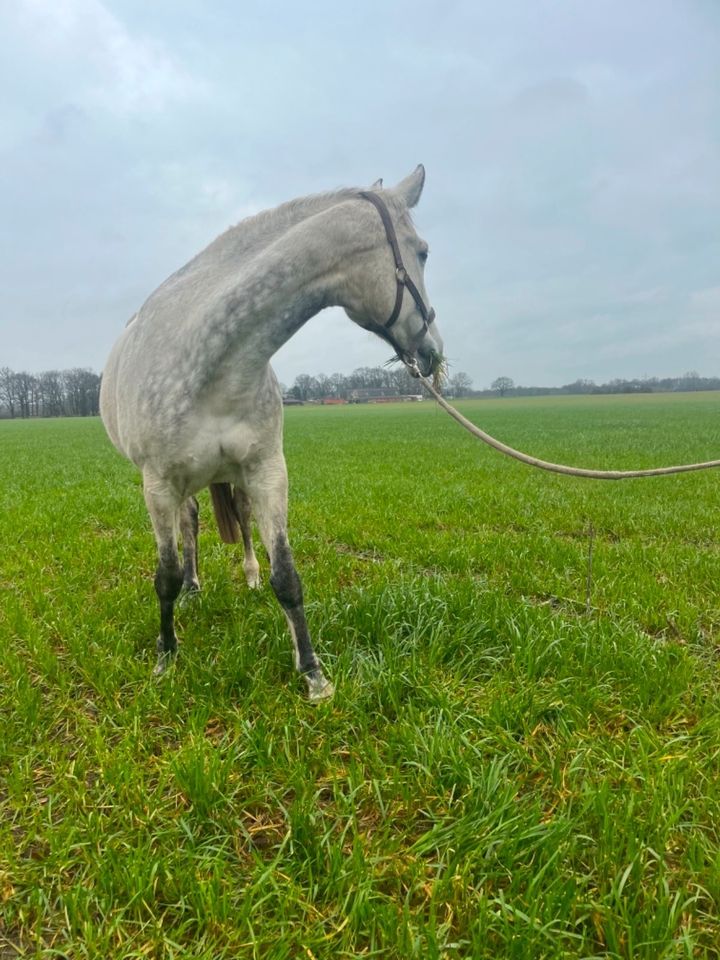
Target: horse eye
(423,254)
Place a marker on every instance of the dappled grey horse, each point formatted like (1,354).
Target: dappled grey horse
(189,396)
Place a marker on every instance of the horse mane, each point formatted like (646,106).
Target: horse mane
(261,228)
(254,233)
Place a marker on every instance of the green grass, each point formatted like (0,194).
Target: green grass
(502,773)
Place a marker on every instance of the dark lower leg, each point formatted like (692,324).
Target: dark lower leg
(168,582)
(164,508)
(268,494)
(288,589)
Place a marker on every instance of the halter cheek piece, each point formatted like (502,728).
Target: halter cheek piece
(402,278)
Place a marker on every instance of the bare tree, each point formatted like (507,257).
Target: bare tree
(402,383)
(23,392)
(325,386)
(502,385)
(305,387)
(8,396)
(50,383)
(82,392)
(35,396)
(339,385)
(460,384)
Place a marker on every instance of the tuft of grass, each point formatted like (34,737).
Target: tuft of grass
(438,370)
(502,772)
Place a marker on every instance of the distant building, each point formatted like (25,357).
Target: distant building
(378,395)
(363,394)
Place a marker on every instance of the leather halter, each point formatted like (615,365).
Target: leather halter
(402,278)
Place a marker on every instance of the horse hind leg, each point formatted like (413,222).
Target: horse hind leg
(163,510)
(243,510)
(233,514)
(189,525)
(268,493)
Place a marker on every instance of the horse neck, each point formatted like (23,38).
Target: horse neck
(299,274)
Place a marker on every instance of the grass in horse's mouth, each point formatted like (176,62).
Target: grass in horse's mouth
(438,369)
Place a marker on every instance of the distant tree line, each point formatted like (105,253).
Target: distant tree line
(76,392)
(505,386)
(396,381)
(54,393)
(393,381)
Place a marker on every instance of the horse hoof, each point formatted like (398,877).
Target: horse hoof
(319,688)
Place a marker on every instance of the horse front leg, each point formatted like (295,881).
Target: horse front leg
(163,509)
(268,492)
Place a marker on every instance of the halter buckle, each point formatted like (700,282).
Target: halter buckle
(413,368)
(400,274)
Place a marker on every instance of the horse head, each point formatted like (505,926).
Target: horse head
(389,293)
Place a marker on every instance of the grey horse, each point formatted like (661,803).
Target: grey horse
(189,396)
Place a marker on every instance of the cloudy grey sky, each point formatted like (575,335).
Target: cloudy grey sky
(572,149)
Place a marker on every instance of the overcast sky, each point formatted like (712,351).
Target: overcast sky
(572,148)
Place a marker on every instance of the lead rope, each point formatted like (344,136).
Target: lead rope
(544,464)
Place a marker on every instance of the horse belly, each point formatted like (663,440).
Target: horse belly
(209,453)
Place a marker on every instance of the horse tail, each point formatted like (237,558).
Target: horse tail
(225,513)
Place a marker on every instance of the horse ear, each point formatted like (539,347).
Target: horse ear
(409,189)
(377,185)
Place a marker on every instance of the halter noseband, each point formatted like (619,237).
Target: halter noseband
(402,278)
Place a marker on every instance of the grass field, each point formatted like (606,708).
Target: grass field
(505,771)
